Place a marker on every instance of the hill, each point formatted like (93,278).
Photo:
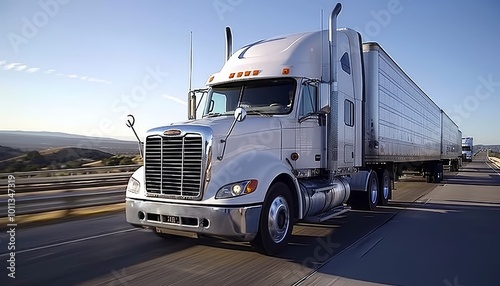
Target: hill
(56,158)
(495,148)
(7,152)
(35,140)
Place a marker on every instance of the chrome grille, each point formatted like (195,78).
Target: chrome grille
(174,166)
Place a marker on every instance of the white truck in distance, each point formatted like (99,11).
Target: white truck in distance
(467,146)
(295,128)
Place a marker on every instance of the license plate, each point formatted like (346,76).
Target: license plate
(171,219)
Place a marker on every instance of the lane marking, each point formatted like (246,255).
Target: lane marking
(494,169)
(70,241)
(413,204)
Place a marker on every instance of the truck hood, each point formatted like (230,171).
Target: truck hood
(220,125)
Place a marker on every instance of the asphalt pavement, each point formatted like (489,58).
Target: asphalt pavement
(449,237)
(429,234)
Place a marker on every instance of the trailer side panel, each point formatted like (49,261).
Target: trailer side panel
(451,147)
(402,123)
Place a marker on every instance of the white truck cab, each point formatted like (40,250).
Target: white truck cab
(289,132)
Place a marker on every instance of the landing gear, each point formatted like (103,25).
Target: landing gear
(434,173)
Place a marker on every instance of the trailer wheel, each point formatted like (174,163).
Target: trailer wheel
(428,179)
(440,173)
(385,187)
(276,218)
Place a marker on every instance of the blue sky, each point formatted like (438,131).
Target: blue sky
(80,66)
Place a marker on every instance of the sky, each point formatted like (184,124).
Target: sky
(81,66)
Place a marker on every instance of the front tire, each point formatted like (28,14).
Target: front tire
(275,226)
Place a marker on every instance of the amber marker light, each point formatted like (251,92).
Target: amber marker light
(251,186)
(285,71)
(231,75)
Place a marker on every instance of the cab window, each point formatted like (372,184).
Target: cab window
(309,99)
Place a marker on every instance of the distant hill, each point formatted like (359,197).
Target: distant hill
(7,152)
(41,140)
(495,148)
(55,158)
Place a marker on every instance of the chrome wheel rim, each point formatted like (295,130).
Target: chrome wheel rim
(373,191)
(385,191)
(278,219)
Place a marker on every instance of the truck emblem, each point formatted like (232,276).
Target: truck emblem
(172,132)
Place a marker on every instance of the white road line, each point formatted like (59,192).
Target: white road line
(70,242)
(489,165)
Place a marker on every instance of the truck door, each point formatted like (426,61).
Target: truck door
(310,135)
(346,109)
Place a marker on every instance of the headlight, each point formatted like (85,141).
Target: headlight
(133,186)
(236,189)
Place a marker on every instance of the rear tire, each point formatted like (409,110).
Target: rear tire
(367,199)
(428,179)
(385,187)
(372,193)
(276,220)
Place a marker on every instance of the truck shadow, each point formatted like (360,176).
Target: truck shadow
(429,238)
(490,179)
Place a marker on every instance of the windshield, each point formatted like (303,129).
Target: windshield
(270,96)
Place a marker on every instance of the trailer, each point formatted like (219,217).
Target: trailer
(451,138)
(406,129)
(299,127)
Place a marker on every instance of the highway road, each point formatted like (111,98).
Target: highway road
(430,234)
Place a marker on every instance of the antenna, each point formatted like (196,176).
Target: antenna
(190,60)
(191,93)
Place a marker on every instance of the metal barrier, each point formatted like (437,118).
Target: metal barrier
(67,201)
(70,172)
(495,161)
(77,188)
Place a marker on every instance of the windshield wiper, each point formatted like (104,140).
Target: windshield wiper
(213,114)
(254,111)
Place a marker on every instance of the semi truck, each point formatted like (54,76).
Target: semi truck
(295,128)
(467,146)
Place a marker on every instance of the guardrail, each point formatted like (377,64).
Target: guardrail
(66,201)
(64,193)
(70,172)
(495,161)
(65,190)
(64,183)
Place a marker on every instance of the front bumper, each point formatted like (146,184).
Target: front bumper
(240,223)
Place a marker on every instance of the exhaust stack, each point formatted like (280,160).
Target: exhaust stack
(229,43)
(332,128)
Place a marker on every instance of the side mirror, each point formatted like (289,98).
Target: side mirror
(325,110)
(130,124)
(240,114)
